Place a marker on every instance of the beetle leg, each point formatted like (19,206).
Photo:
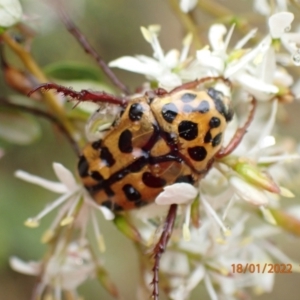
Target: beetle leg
(193,84)
(239,134)
(83,95)
(161,246)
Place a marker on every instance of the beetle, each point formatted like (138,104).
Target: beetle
(158,139)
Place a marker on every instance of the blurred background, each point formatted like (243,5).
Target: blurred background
(113,28)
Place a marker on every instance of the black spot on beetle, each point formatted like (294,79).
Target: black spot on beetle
(214,122)
(188,130)
(217,140)
(188,97)
(107,157)
(208,137)
(197,153)
(171,138)
(125,141)
(97,144)
(109,192)
(94,188)
(169,112)
(83,166)
(135,112)
(218,98)
(131,193)
(97,176)
(152,181)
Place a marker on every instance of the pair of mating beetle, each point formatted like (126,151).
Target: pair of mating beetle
(158,139)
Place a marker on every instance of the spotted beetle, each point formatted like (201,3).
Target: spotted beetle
(158,139)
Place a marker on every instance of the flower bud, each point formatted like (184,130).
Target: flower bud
(286,221)
(255,176)
(248,192)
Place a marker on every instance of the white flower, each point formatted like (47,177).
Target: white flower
(187,5)
(10,12)
(72,193)
(264,7)
(65,270)
(280,25)
(177,193)
(163,68)
(213,259)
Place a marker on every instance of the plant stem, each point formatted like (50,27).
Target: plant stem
(187,22)
(49,97)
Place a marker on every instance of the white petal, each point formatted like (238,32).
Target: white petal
(187,5)
(248,192)
(151,211)
(274,159)
(266,130)
(266,69)
(255,86)
(279,23)
(210,288)
(10,12)
(28,268)
(149,67)
(283,78)
(107,213)
(150,34)
(241,43)
(209,60)
(264,282)
(237,66)
(216,36)
(291,41)
(262,6)
(47,184)
(171,58)
(65,176)
(282,5)
(177,193)
(228,37)
(169,80)
(196,276)
(187,41)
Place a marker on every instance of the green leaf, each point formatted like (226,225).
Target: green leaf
(72,71)
(18,128)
